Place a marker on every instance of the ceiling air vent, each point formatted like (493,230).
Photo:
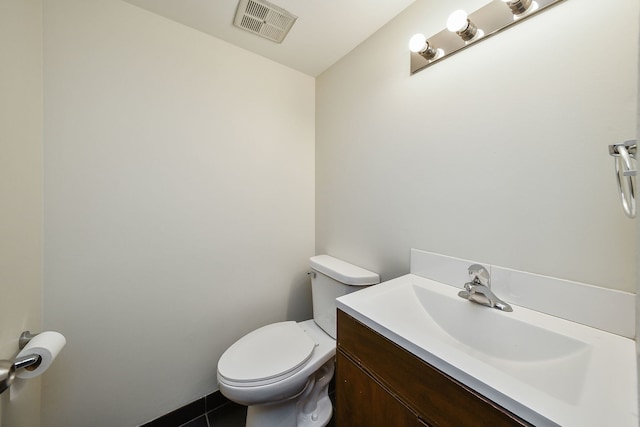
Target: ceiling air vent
(264,19)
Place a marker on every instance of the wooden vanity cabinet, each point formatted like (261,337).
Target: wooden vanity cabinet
(378,383)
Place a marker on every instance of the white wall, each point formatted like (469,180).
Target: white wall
(21,196)
(179,180)
(498,153)
(179,207)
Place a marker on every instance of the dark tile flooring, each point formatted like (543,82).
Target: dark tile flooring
(209,411)
(229,415)
(215,410)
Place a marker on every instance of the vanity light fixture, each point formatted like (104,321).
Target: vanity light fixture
(464,30)
(520,8)
(460,24)
(419,44)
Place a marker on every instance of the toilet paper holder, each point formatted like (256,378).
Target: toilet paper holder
(8,368)
(24,339)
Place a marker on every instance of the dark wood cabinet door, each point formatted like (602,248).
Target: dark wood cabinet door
(435,397)
(362,402)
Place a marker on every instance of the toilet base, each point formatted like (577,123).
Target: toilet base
(311,408)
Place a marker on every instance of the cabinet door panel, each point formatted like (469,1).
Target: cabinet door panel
(433,395)
(362,402)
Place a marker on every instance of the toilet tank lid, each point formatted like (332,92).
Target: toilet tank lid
(342,271)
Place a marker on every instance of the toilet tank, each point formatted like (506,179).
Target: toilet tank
(333,278)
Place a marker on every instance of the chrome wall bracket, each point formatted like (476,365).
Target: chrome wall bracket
(490,19)
(7,374)
(24,339)
(8,368)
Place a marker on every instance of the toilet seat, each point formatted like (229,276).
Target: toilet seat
(266,355)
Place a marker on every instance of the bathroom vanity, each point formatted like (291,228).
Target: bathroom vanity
(413,351)
(378,383)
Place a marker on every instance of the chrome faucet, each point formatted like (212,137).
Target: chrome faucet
(478,289)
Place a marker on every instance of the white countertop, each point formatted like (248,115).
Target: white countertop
(596,388)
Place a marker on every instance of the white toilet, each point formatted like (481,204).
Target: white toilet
(282,371)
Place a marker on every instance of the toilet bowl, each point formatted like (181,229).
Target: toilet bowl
(281,371)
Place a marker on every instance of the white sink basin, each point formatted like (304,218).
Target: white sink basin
(547,370)
(491,334)
(552,362)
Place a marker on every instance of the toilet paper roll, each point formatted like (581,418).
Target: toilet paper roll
(47,345)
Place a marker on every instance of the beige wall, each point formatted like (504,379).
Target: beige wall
(180,182)
(498,153)
(638,250)
(179,207)
(21,195)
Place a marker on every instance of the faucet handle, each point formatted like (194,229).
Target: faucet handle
(478,274)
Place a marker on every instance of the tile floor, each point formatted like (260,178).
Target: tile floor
(214,410)
(231,415)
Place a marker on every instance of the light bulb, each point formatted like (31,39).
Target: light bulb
(520,8)
(417,43)
(457,21)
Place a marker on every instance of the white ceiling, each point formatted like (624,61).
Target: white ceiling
(325,31)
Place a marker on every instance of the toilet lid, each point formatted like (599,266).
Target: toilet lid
(268,353)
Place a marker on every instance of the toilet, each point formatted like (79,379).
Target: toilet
(281,371)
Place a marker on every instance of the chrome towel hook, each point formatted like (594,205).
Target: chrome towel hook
(626,174)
